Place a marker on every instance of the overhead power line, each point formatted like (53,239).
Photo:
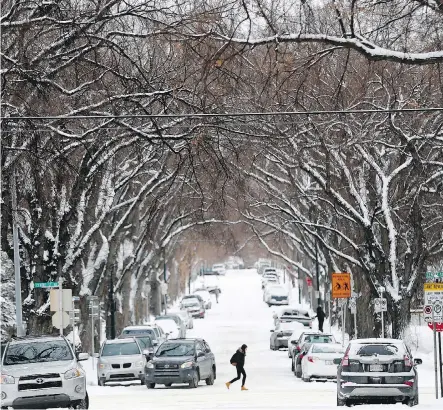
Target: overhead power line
(232,114)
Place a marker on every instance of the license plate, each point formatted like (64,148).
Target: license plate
(376,368)
(329,362)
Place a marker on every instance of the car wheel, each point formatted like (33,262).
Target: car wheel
(150,385)
(298,371)
(193,384)
(292,366)
(413,401)
(81,404)
(306,379)
(210,379)
(340,402)
(101,381)
(168,384)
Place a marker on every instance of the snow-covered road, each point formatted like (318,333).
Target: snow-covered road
(240,317)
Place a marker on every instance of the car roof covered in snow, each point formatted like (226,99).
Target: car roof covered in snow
(141,327)
(118,341)
(376,340)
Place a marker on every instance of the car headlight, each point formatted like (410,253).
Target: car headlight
(140,363)
(150,365)
(73,373)
(187,365)
(6,379)
(103,366)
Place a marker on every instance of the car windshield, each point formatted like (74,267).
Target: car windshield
(133,332)
(327,348)
(145,342)
(378,350)
(120,349)
(37,352)
(175,349)
(191,304)
(318,339)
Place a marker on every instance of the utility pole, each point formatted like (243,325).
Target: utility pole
(112,307)
(317,271)
(164,279)
(18,283)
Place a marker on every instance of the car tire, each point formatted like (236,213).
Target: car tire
(81,404)
(292,366)
(298,371)
(341,402)
(211,378)
(168,384)
(306,379)
(193,383)
(101,381)
(413,401)
(150,385)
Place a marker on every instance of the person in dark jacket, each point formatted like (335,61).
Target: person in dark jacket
(321,318)
(238,360)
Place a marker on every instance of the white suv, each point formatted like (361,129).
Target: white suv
(43,372)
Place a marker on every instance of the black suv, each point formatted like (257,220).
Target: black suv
(181,361)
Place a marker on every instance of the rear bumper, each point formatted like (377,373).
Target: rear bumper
(371,391)
(181,376)
(278,302)
(281,342)
(121,375)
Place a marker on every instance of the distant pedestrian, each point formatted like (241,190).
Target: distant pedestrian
(321,318)
(238,360)
(217,292)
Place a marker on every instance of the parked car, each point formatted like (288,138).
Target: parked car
(269,278)
(267,270)
(178,321)
(193,296)
(304,341)
(295,344)
(194,307)
(318,363)
(276,295)
(220,268)
(120,360)
(42,371)
(289,314)
(281,334)
(146,345)
(155,332)
(181,361)
(206,296)
(377,371)
(186,318)
(170,328)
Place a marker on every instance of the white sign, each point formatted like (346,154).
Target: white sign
(353,305)
(67,300)
(57,320)
(380,305)
(164,288)
(438,312)
(427,313)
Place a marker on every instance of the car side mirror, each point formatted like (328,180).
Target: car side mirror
(418,361)
(293,342)
(154,343)
(200,354)
(337,361)
(272,331)
(82,356)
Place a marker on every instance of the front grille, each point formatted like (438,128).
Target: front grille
(42,376)
(122,376)
(279,298)
(115,366)
(166,366)
(38,386)
(39,381)
(126,365)
(167,373)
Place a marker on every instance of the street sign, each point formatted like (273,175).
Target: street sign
(427,313)
(380,305)
(434,275)
(57,319)
(433,293)
(438,312)
(353,305)
(341,285)
(55,303)
(76,298)
(439,326)
(45,285)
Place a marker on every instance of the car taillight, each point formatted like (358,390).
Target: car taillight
(310,359)
(298,348)
(408,362)
(345,361)
(409,382)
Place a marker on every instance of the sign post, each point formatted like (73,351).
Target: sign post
(341,289)
(435,354)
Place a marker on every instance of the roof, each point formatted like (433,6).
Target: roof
(316,332)
(195,339)
(140,327)
(376,340)
(31,338)
(119,341)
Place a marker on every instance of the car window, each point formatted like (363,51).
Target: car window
(207,348)
(145,342)
(327,348)
(319,339)
(378,349)
(120,349)
(168,349)
(37,352)
(199,348)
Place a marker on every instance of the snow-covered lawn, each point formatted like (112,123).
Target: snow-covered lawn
(242,317)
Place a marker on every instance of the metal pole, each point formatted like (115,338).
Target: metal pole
(92,333)
(164,279)
(343,318)
(112,307)
(73,324)
(434,328)
(60,303)
(317,271)
(330,316)
(18,283)
(355,323)
(441,364)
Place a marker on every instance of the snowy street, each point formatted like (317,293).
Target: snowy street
(241,317)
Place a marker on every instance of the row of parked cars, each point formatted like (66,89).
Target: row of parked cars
(159,352)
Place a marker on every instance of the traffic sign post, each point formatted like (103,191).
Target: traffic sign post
(427,313)
(434,329)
